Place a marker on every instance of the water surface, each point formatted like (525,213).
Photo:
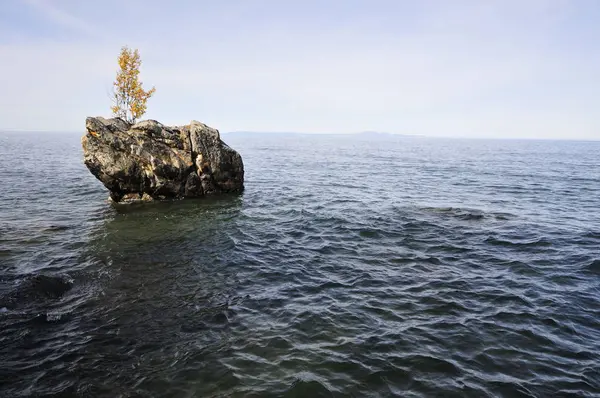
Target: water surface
(351,266)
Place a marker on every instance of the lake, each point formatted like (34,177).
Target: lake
(352,265)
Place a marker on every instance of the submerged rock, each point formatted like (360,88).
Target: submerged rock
(36,289)
(149,161)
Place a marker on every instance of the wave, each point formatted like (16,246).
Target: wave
(593,266)
(537,242)
(468,214)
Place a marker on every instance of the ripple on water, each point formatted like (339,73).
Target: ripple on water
(425,268)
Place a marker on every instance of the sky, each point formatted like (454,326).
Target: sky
(464,68)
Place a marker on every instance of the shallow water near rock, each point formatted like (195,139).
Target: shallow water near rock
(398,266)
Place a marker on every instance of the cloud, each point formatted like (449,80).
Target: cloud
(62,18)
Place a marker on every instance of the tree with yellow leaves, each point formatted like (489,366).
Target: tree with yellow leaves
(128,95)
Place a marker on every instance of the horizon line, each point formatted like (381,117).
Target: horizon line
(364,133)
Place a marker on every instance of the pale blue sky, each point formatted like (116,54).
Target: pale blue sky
(476,68)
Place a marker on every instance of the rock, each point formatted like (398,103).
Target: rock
(148,161)
(36,289)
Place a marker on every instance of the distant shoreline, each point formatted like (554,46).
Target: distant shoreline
(359,134)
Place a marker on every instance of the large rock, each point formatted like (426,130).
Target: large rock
(148,160)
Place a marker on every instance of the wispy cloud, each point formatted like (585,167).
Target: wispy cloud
(63,18)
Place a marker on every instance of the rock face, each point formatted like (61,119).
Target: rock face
(148,161)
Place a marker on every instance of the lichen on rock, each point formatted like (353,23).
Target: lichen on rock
(150,161)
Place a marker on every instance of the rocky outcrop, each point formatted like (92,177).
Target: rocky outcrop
(149,161)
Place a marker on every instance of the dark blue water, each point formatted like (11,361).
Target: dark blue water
(351,266)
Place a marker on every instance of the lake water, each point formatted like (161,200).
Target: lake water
(351,266)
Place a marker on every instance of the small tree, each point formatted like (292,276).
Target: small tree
(129,97)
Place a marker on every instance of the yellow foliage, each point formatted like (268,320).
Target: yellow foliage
(129,96)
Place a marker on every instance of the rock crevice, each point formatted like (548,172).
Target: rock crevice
(149,161)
